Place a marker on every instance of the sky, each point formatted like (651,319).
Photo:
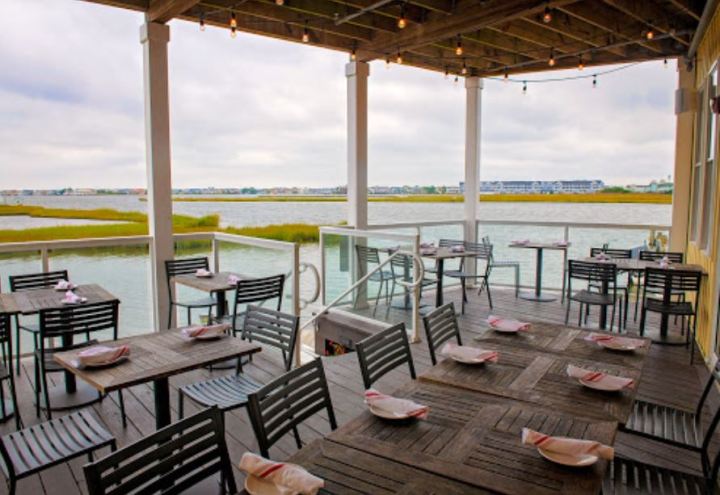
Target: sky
(254,111)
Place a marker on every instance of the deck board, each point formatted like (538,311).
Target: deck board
(667,378)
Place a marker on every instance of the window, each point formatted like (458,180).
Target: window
(697,168)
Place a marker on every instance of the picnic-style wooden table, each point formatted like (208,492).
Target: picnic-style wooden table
(217,284)
(440,255)
(154,358)
(475,438)
(539,247)
(30,302)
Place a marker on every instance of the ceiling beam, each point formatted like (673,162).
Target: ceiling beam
(162,11)
(653,16)
(689,7)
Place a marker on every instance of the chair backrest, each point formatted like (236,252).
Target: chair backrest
(81,318)
(169,461)
(260,289)
(182,267)
(485,239)
(450,243)
(32,281)
(591,271)
(287,401)
(660,279)
(272,328)
(440,326)
(481,250)
(383,352)
(674,257)
(5,335)
(710,471)
(612,253)
(367,254)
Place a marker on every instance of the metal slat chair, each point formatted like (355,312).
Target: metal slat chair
(383,352)
(656,256)
(482,252)
(267,327)
(41,446)
(169,461)
(615,253)
(64,323)
(592,273)
(281,405)
(31,281)
(256,290)
(400,266)
(6,374)
(440,326)
(183,267)
(628,477)
(515,265)
(371,256)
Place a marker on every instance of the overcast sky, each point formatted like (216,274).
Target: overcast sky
(253,111)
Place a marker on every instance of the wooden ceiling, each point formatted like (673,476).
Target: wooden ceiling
(496,36)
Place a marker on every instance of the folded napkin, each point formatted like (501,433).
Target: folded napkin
(427,245)
(664,264)
(63,285)
(202,272)
(394,405)
(507,324)
(627,341)
(72,298)
(562,243)
(599,377)
(602,257)
(568,446)
(233,279)
(430,250)
(287,478)
(457,249)
(100,354)
(205,331)
(521,242)
(467,353)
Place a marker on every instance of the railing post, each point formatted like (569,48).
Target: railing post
(45,259)
(322,268)
(296,296)
(216,254)
(416,294)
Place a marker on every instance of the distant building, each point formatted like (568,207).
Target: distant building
(661,186)
(538,186)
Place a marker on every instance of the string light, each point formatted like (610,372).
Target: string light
(464,69)
(649,34)
(459,47)
(306,34)
(398,59)
(202,21)
(233,25)
(456,80)
(594,81)
(581,65)
(665,64)
(505,75)
(280,2)
(547,16)
(551,60)
(524,87)
(353,55)
(402,22)
(387,62)
(447,72)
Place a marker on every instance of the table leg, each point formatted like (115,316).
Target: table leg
(162,402)
(439,288)
(663,335)
(221,304)
(603,309)
(537,294)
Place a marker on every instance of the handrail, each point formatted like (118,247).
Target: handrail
(588,225)
(303,267)
(410,285)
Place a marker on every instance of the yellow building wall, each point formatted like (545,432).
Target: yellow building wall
(708,53)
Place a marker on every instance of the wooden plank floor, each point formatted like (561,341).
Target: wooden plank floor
(668,378)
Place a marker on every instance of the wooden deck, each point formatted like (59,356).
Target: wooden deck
(667,378)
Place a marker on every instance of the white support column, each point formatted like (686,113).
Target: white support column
(473,112)
(154,38)
(357,113)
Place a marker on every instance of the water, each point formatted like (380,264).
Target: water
(126,273)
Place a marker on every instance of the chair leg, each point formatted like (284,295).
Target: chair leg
(37,385)
(46,393)
(487,289)
(642,321)
(170,314)
(464,297)
(612,317)
(692,341)
(17,347)
(580,315)
(296,434)
(121,401)
(567,312)
(517,283)
(181,405)
(189,316)
(377,298)
(12,482)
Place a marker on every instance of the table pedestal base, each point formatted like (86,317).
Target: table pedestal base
(60,399)
(531,296)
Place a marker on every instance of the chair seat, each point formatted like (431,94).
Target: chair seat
(48,444)
(627,477)
(665,423)
(196,303)
(504,263)
(462,274)
(226,392)
(672,308)
(50,364)
(593,298)
(382,276)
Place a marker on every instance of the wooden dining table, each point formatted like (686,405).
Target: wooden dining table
(154,358)
(31,302)
(539,248)
(440,255)
(218,284)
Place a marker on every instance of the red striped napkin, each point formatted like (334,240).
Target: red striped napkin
(626,341)
(394,405)
(467,353)
(101,354)
(507,324)
(287,478)
(599,377)
(205,331)
(568,446)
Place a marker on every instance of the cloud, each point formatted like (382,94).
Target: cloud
(258,111)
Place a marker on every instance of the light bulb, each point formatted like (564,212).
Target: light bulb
(551,60)
(464,69)
(280,2)
(665,64)
(459,48)
(581,65)
(402,22)
(547,16)
(233,25)
(650,34)
(202,22)
(398,59)
(306,34)
(387,62)
(353,55)
(447,73)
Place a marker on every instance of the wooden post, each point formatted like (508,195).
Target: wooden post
(473,109)
(154,38)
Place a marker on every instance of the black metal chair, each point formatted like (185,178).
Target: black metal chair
(657,256)
(256,290)
(265,326)
(64,324)
(661,285)
(440,326)
(628,477)
(480,252)
(284,403)
(31,281)
(515,265)
(169,461)
(44,445)
(402,268)
(383,352)
(6,374)
(367,257)
(602,274)
(615,253)
(183,267)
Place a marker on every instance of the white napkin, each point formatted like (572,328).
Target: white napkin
(467,353)
(394,405)
(457,249)
(562,243)
(602,256)
(101,354)
(599,377)
(521,242)
(625,341)
(568,446)
(63,285)
(427,245)
(507,324)
(202,272)
(72,298)
(289,479)
(233,279)
(205,331)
